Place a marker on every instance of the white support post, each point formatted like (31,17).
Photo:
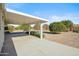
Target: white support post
(41,31)
(29,30)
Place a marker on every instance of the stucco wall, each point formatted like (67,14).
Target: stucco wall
(1,32)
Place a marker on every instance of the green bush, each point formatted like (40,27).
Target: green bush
(57,27)
(68,24)
(37,34)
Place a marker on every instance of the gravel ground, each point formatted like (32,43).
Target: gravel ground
(67,38)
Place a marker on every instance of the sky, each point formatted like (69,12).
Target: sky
(51,11)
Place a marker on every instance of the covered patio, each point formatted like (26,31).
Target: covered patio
(15,17)
(30,45)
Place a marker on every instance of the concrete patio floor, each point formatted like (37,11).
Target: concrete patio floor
(32,46)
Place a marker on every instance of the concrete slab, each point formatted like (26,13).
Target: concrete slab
(33,46)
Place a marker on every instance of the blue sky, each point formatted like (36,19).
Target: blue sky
(51,11)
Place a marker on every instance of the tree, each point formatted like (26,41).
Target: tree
(37,26)
(24,27)
(45,27)
(68,24)
(57,27)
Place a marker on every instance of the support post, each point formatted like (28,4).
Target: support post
(41,31)
(29,29)
(29,32)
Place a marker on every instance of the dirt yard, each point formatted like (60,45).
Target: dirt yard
(67,38)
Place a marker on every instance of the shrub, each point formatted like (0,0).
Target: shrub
(76,30)
(18,28)
(57,27)
(37,34)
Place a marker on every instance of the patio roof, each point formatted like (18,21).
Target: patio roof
(15,17)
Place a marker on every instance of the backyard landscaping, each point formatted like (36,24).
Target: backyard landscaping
(64,32)
(67,38)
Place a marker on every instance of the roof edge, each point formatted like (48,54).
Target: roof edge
(24,14)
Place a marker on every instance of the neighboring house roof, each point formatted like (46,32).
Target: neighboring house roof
(16,17)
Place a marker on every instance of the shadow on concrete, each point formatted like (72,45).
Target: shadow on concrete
(8,46)
(17,34)
(51,33)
